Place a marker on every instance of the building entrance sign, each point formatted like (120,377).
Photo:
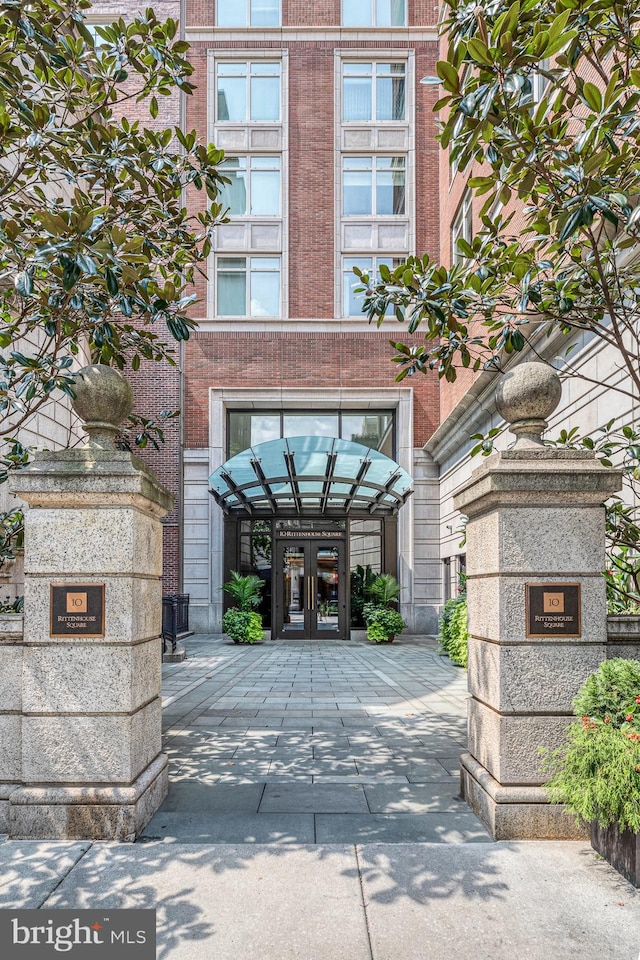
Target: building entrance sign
(553,610)
(77,610)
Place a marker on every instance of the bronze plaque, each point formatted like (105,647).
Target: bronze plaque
(77,610)
(553,610)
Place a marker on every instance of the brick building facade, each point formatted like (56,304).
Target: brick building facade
(330,144)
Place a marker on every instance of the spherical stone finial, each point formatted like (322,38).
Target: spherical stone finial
(103,399)
(525,397)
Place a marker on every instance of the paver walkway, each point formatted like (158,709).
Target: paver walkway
(302,742)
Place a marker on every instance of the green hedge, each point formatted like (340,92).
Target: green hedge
(453,630)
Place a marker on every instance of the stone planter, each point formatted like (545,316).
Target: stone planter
(619,848)
(623,636)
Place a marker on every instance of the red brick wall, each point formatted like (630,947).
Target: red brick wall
(330,360)
(301,13)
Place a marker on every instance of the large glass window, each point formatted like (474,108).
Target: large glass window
(248,286)
(372,428)
(310,425)
(374,13)
(352,301)
(248,13)
(373,91)
(373,186)
(248,91)
(255,186)
(255,556)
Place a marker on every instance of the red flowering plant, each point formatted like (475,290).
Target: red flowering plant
(596,774)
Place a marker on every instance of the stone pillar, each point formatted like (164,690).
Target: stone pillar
(11,629)
(536,516)
(91,725)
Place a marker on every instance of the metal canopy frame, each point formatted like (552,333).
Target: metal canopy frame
(283,477)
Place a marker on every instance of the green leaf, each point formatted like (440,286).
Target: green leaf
(592,96)
(112,281)
(447,72)
(479,51)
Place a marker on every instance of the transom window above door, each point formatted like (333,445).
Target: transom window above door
(372,428)
(248,13)
(255,186)
(374,13)
(248,91)
(373,186)
(373,92)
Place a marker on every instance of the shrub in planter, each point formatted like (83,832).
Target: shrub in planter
(452,635)
(596,774)
(382,624)
(243,626)
(245,590)
(385,590)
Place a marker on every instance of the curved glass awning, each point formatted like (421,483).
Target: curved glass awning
(310,475)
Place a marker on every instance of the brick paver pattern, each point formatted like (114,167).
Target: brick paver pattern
(314,742)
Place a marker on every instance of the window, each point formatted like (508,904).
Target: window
(371,428)
(373,91)
(352,302)
(461,228)
(373,186)
(255,186)
(248,13)
(252,281)
(248,91)
(374,13)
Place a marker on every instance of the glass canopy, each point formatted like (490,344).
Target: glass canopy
(310,475)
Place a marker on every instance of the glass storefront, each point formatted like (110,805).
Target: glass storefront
(315,570)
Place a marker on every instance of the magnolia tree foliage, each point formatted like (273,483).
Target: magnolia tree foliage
(540,105)
(96,244)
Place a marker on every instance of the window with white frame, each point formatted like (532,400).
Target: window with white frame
(351,301)
(248,13)
(248,91)
(373,91)
(373,186)
(248,286)
(374,13)
(461,228)
(255,186)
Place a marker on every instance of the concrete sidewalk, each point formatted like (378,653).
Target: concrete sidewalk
(480,901)
(291,741)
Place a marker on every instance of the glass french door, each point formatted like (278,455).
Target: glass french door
(311,590)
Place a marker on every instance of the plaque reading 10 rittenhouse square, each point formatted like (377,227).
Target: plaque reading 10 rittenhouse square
(553,610)
(77,610)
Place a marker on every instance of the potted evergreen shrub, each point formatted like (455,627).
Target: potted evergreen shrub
(382,620)
(596,774)
(242,622)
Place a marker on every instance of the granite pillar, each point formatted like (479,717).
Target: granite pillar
(536,516)
(90,756)
(11,630)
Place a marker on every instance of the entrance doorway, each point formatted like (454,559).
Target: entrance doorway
(311,589)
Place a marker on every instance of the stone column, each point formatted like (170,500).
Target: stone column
(91,725)
(536,516)
(11,628)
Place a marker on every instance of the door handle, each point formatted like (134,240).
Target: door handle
(312,594)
